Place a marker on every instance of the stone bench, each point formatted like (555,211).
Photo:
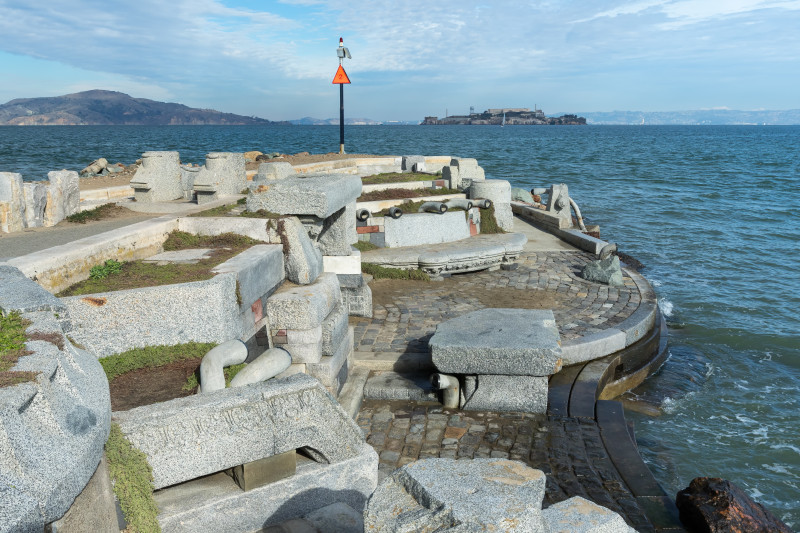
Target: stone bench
(222,175)
(466,255)
(502,357)
(189,441)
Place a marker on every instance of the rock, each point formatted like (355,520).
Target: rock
(252,155)
(521,195)
(35,203)
(63,196)
(95,167)
(579,515)
(274,171)
(499,192)
(12,202)
(606,271)
(158,178)
(717,505)
(466,495)
(302,259)
(263,157)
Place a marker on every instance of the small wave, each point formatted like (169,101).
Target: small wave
(786,447)
(779,469)
(655,283)
(665,306)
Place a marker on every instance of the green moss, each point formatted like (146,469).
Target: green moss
(396,177)
(365,246)
(152,356)
(192,382)
(392,194)
(132,477)
(106,269)
(98,213)
(489,222)
(12,347)
(379,272)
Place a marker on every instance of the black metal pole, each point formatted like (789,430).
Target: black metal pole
(341,118)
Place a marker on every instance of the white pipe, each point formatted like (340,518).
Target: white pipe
(395,212)
(362,214)
(228,353)
(577,214)
(433,207)
(483,203)
(461,203)
(267,365)
(450,389)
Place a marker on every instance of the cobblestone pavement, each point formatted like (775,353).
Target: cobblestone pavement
(568,450)
(580,307)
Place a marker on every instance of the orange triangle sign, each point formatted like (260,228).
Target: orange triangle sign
(341,76)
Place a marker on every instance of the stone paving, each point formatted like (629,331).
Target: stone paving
(583,307)
(567,449)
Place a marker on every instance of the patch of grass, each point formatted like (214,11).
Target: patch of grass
(105,270)
(409,207)
(192,382)
(261,213)
(132,477)
(152,356)
(489,221)
(136,274)
(392,194)
(98,213)
(219,211)
(379,272)
(365,246)
(396,177)
(12,347)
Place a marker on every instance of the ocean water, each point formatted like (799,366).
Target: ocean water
(713,212)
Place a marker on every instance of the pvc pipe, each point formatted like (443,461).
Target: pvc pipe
(395,212)
(433,207)
(483,203)
(462,203)
(538,191)
(577,213)
(449,386)
(228,353)
(267,365)
(362,214)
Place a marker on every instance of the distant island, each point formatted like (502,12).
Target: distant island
(111,108)
(514,116)
(700,117)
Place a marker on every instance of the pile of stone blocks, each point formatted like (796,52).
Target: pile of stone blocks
(326,207)
(52,428)
(499,192)
(462,172)
(311,323)
(158,178)
(478,495)
(274,170)
(223,175)
(228,306)
(292,425)
(37,204)
(502,357)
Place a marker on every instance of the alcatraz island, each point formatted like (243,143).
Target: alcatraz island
(516,116)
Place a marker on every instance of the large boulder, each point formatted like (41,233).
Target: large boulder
(607,271)
(716,505)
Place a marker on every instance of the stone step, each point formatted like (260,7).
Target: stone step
(389,385)
(397,361)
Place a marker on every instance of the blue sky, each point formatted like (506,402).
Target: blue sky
(276,59)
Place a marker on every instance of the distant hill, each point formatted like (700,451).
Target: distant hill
(112,108)
(720,117)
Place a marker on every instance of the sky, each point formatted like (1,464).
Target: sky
(410,58)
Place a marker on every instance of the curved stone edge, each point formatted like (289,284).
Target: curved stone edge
(53,429)
(626,333)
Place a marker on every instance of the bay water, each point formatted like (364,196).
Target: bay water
(713,212)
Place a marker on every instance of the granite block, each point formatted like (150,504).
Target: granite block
(425,228)
(259,272)
(358,300)
(522,342)
(334,329)
(303,258)
(465,495)
(320,196)
(191,437)
(276,170)
(579,515)
(329,367)
(158,178)
(11,194)
(306,306)
(527,394)
(223,174)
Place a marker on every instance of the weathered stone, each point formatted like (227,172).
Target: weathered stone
(328,368)
(410,160)
(321,196)
(468,170)
(358,300)
(607,271)
(579,515)
(717,505)
(451,174)
(93,510)
(558,201)
(521,195)
(274,171)
(223,175)
(334,329)
(304,307)
(63,196)
(499,192)
(338,517)
(334,234)
(511,342)
(35,203)
(526,394)
(465,495)
(425,228)
(158,178)
(187,438)
(303,259)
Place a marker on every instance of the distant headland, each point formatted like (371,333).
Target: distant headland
(513,116)
(111,108)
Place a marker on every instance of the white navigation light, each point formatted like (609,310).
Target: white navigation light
(342,51)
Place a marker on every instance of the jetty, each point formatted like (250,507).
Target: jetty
(418,347)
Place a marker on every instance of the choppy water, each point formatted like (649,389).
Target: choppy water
(711,211)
